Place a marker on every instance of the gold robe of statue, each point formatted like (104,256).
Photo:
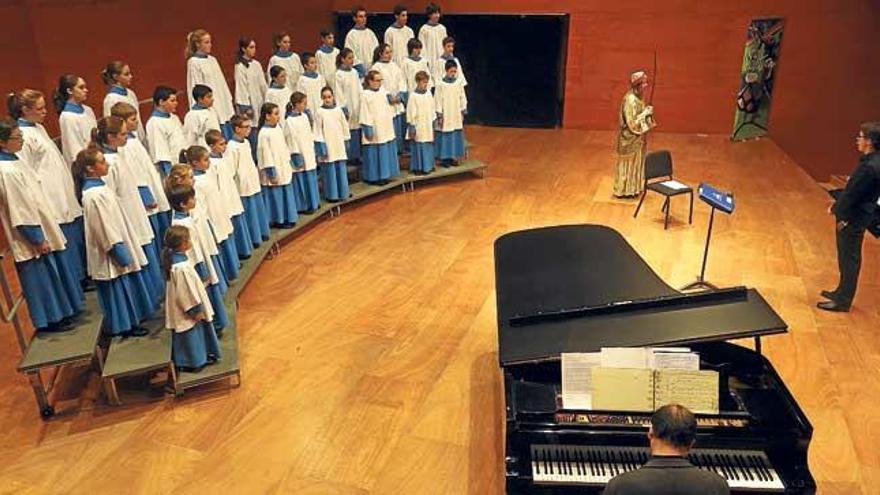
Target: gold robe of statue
(629,178)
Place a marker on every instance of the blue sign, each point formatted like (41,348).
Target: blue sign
(715,198)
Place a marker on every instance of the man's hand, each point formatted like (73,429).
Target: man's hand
(841,225)
(43,247)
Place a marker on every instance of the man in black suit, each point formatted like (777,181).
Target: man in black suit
(854,212)
(668,472)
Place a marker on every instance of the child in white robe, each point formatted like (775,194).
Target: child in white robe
(75,119)
(413,64)
(117,76)
(204,252)
(165,136)
(276,172)
(149,181)
(394,82)
(188,308)
(421,117)
(201,118)
(431,34)
(451,105)
(110,137)
(332,134)
(311,83)
(349,86)
(286,59)
(229,198)
(377,128)
(247,178)
(301,143)
(326,57)
(209,200)
(116,259)
(51,286)
(399,34)
(447,55)
(278,92)
(52,172)
(203,68)
(250,81)
(362,41)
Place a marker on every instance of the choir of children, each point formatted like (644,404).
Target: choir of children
(205,192)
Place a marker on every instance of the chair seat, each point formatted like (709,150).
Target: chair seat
(665,190)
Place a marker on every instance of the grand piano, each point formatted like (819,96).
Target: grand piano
(578,288)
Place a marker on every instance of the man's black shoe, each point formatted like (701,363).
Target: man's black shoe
(833,306)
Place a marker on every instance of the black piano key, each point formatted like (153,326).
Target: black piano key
(566,465)
(545,456)
(766,469)
(721,465)
(536,460)
(601,459)
(757,468)
(581,468)
(730,468)
(554,463)
(742,467)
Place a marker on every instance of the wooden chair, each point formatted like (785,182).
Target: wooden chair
(658,173)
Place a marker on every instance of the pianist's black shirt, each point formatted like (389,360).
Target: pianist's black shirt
(667,475)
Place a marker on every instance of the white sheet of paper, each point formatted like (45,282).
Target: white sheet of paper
(674,184)
(577,384)
(625,357)
(677,359)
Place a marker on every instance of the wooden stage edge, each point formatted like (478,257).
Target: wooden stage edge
(368,347)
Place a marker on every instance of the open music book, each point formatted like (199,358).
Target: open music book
(637,379)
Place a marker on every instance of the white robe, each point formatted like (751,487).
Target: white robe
(327,66)
(412,67)
(398,38)
(450,101)
(23,203)
(420,113)
(131,98)
(201,240)
(105,226)
(247,177)
(147,173)
(280,97)
(379,114)
(165,138)
(197,122)
(362,42)
(331,128)
(122,178)
(432,41)
(393,81)
(292,65)
(204,69)
(250,86)
(311,87)
(229,198)
(301,139)
(440,70)
(207,186)
(272,151)
(350,86)
(76,131)
(52,172)
(183,292)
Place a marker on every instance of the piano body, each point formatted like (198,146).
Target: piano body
(578,288)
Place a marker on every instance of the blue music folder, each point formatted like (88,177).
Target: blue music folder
(715,198)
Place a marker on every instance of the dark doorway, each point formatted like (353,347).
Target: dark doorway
(515,63)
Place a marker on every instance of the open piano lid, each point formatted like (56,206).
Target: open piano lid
(578,288)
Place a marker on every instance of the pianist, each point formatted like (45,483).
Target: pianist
(672,434)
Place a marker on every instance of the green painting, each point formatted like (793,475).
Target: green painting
(760,63)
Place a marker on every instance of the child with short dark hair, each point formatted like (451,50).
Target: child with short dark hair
(241,158)
(230,199)
(202,116)
(451,104)
(431,34)
(447,55)
(165,136)
(380,163)
(276,173)
(331,136)
(361,39)
(349,87)
(413,64)
(399,34)
(421,117)
(326,56)
(311,82)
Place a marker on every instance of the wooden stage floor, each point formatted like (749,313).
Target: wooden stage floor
(368,347)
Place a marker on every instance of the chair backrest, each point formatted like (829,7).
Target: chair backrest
(658,164)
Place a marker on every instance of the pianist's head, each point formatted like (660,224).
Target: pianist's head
(673,430)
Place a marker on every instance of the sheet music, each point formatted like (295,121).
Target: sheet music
(625,357)
(674,358)
(696,390)
(623,389)
(674,184)
(577,386)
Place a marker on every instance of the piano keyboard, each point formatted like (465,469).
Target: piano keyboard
(596,465)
